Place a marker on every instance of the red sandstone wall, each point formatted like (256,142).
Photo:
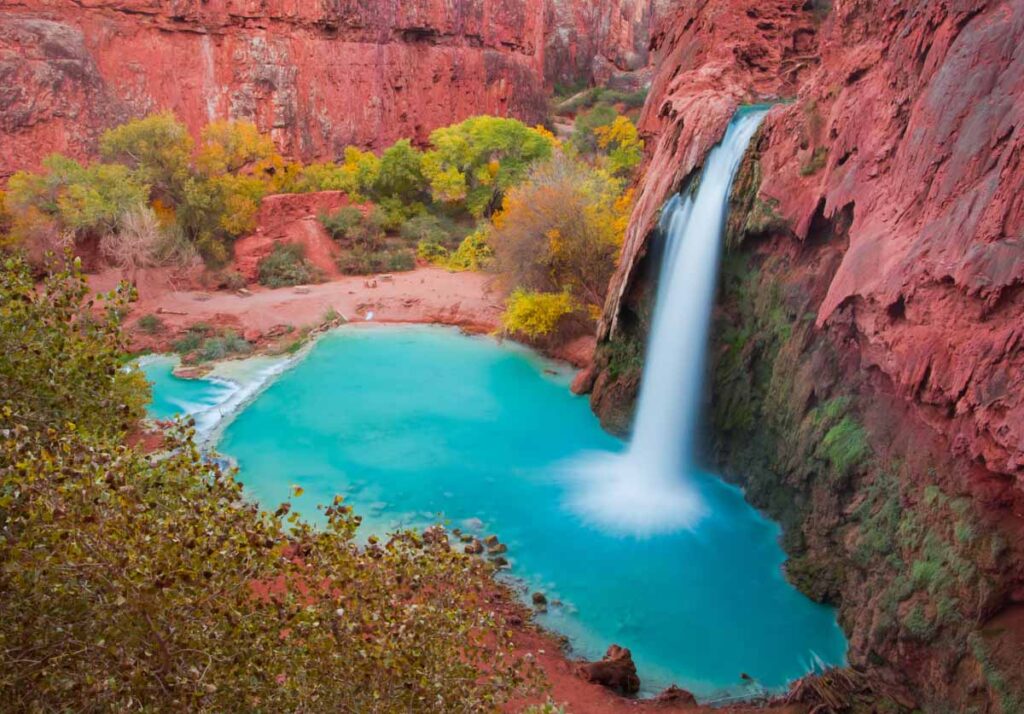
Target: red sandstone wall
(318,75)
(920,108)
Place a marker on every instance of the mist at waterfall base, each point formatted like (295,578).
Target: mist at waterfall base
(415,425)
(649,488)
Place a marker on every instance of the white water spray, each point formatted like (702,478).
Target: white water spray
(647,489)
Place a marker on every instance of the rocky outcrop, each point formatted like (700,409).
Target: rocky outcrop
(606,41)
(291,219)
(317,76)
(868,349)
(615,670)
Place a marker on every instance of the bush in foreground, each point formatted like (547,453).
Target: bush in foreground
(134,583)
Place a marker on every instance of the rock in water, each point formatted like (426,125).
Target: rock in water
(474,548)
(616,671)
(675,695)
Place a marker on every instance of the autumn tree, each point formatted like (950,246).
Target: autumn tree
(622,145)
(66,201)
(561,230)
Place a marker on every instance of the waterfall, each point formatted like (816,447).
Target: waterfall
(647,489)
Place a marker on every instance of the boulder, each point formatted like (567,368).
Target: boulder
(616,671)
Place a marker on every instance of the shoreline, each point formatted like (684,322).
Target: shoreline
(266,317)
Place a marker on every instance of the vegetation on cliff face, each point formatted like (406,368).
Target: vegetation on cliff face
(875,522)
(138,582)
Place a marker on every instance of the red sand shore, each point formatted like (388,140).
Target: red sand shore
(426,295)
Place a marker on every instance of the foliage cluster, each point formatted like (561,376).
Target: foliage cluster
(140,583)
(287,266)
(536,314)
(201,343)
(561,231)
(367,247)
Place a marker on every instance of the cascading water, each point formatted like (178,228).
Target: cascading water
(646,490)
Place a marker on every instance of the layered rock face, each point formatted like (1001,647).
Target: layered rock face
(317,75)
(869,350)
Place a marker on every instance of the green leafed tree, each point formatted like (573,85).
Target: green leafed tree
(81,199)
(158,148)
(475,162)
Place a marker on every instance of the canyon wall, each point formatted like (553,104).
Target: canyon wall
(317,75)
(868,347)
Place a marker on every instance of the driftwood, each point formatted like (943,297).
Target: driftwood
(165,311)
(830,692)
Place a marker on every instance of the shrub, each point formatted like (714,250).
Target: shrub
(816,162)
(192,339)
(339,223)
(432,251)
(136,243)
(228,344)
(584,136)
(360,261)
(401,261)
(351,228)
(150,324)
(232,280)
(845,445)
(473,253)
(392,213)
(286,266)
(432,228)
(535,315)
(919,625)
(173,248)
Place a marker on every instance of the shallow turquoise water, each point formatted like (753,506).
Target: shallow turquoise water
(173,396)
(414,424)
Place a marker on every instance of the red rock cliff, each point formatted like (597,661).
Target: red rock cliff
(317,75)
(869,347)
(912,120)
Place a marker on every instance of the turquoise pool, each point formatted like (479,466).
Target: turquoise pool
(419,424)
